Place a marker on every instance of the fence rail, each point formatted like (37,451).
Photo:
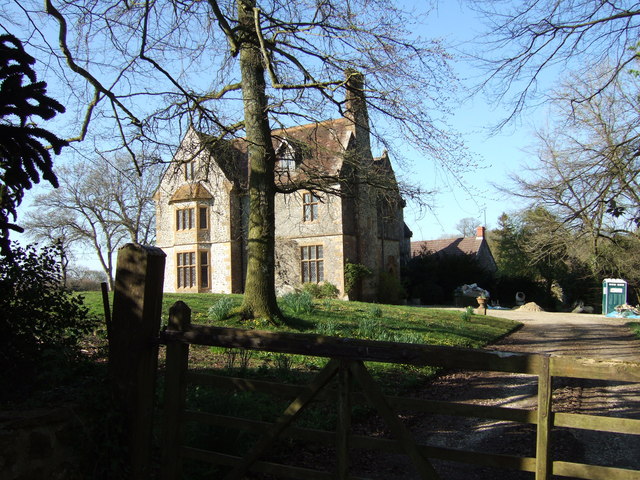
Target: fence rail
(346,362)
(133,367)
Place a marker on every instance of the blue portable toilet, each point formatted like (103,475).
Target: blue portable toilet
(614,293)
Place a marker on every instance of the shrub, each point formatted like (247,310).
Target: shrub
(329,290)
(321,290)
(41,320)
(312,289)
(390,289)
(220,310)
(433,278)
(297,302)
(353,274)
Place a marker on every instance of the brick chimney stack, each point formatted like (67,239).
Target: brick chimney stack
(480,233)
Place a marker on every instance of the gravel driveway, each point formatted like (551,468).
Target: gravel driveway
(554,333)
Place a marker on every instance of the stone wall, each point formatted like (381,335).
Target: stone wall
(38,444)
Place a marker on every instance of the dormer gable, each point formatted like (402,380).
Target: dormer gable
(190,192)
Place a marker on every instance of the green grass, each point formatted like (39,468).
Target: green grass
(352,319)
(635,328)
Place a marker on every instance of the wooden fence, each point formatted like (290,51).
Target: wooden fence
(346,363)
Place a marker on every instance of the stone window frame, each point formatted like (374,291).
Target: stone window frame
(185,219)
(286,158)
(312,263)
(310,207)
(186,273)
(189,171)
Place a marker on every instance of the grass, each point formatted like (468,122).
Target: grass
(635,328)
(326,317)
(335,318)
(350,319)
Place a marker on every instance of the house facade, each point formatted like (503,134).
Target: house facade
(338,205)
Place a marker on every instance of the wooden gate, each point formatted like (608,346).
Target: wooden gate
(346,362)
(134,340)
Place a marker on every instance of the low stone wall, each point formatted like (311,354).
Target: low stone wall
(38,444)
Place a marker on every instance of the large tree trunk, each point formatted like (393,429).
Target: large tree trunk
(260,294)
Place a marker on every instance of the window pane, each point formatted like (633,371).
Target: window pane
(320,270)
(312,253)
(313,277)
(204,258)
(203,217)
(314,211)
(204,276)
(320,251)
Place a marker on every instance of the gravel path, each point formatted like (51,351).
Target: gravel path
(554,333)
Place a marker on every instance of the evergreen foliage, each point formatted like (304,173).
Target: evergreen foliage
(24,146)
(41,321)
(433,278)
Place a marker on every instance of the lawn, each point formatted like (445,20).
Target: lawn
(635,328)
(352,319)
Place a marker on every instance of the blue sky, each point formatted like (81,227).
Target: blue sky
(499,154)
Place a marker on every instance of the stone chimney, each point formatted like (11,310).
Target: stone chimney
(480,233)
(356,111)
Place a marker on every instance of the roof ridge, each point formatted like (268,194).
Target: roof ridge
(310,125)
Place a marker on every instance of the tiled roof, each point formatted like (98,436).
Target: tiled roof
(192,191)
(448,246)
(319,148)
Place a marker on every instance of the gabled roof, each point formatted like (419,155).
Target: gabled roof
(448,246)
(476,246)
(319,148)
(192,191)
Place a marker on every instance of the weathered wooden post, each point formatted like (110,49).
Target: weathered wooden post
(133,353)
(344,420)
(177,361)
(544,462)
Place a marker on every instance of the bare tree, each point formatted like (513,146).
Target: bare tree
(53,228)
(100,205)
(588,171)
(527,39)
(154,69)
(585,180)
(467,226)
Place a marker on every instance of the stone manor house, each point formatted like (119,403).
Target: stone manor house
(343,206)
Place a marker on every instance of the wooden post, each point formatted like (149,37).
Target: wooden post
(545,421)
(133,351)
(344,420)
(175,386)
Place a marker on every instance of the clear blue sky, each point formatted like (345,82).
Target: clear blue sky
(499,154)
